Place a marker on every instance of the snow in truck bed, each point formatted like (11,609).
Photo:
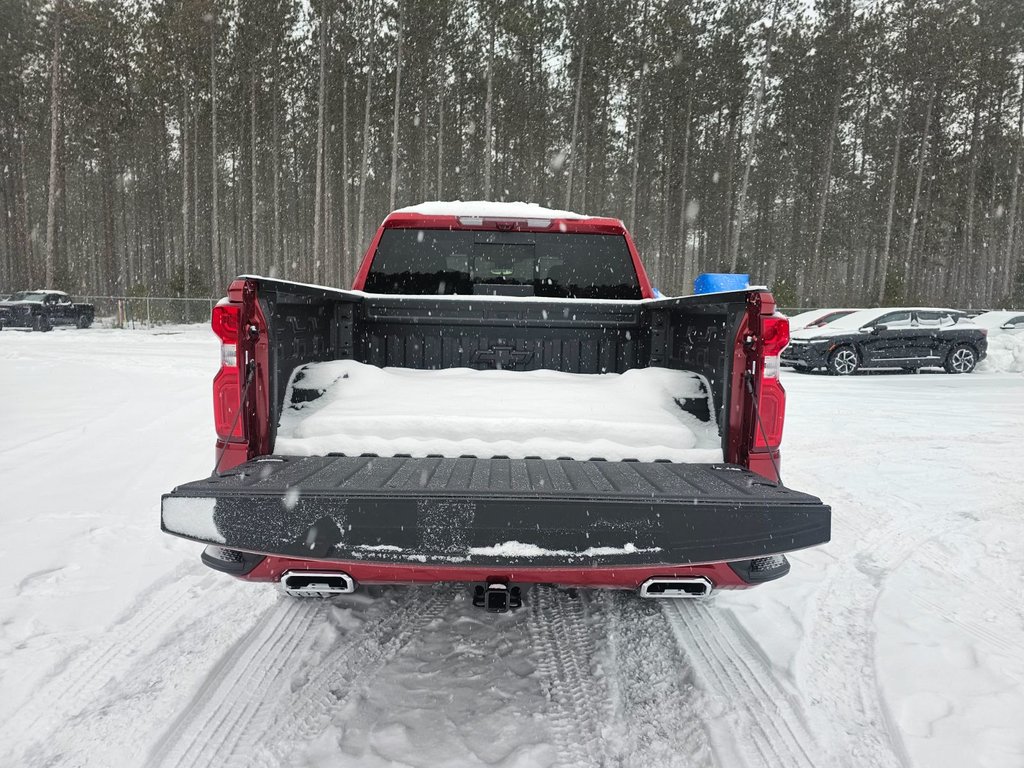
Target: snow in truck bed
(347,407)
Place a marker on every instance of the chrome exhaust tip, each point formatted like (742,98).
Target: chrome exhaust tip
(688,588)
(317,583)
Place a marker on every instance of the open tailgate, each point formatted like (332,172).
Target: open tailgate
(495,511)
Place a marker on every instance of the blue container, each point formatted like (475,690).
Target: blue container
(716,282)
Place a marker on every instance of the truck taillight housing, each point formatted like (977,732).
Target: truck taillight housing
(227,394)
(771,404)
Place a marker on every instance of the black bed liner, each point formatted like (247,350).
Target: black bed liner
(443,510)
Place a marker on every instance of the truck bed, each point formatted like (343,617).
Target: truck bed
(495,511)
(644,414)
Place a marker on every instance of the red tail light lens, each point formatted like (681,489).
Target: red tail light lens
(771,404)
(227,395)
(226,402)
(225,322)
(775,332)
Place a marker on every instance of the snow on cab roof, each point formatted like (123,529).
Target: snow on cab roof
(490,210)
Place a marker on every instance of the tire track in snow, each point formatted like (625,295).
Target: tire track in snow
(839,636)
(995,640)
(931,556)
(655,719)
(69,688)
(208,731)
(565,647)
(117,726)
(329,686)
(753,717)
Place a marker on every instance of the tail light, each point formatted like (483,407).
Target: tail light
(771,404)
(227,393)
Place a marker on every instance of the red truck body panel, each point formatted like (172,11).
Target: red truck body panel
(273,568)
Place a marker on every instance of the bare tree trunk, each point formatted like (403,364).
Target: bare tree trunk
(666,188)
(253,198)
(25,217)
(236,231)
(689,265)
(7,223)
(214,231)
(393,189)
(318,194)
(741,200)
(440,147)
(424,148)
(183,139)
(817,270)
(275,252)
(195,186)
(1009,271)
(883,266)
(326,263)
(575,125)
(921,160)
(107,213)
(862,278)
(346,246)
(637,117)
(164,201)
(728,206)
(966,248)
(127,276)
(489,118)
(55,94)
(366,125)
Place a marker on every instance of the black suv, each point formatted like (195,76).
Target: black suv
(41,310)
(897,337)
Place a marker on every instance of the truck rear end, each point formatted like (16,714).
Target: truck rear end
(497,416)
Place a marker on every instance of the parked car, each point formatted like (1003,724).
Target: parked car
(467,322)
(1002,321)
(893,337)
(816,318)
(42,310)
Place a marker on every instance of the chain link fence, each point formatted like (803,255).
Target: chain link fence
(148,311)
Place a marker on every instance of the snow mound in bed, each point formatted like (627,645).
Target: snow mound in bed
(347,407)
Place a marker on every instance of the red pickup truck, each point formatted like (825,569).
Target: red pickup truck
(500,400)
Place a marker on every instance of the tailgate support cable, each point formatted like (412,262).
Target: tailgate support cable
(748,377)
(250,375)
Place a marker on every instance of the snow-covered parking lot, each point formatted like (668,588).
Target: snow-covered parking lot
(901,643)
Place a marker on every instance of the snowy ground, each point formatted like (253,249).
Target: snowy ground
(900,643)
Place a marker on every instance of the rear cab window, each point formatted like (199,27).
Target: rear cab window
(547,264)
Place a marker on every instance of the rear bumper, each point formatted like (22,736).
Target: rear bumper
(395,519)
(735,575)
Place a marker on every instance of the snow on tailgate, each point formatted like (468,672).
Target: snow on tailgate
(347,407)
(192,517)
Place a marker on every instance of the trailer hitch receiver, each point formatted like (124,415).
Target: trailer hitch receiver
(497,597)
